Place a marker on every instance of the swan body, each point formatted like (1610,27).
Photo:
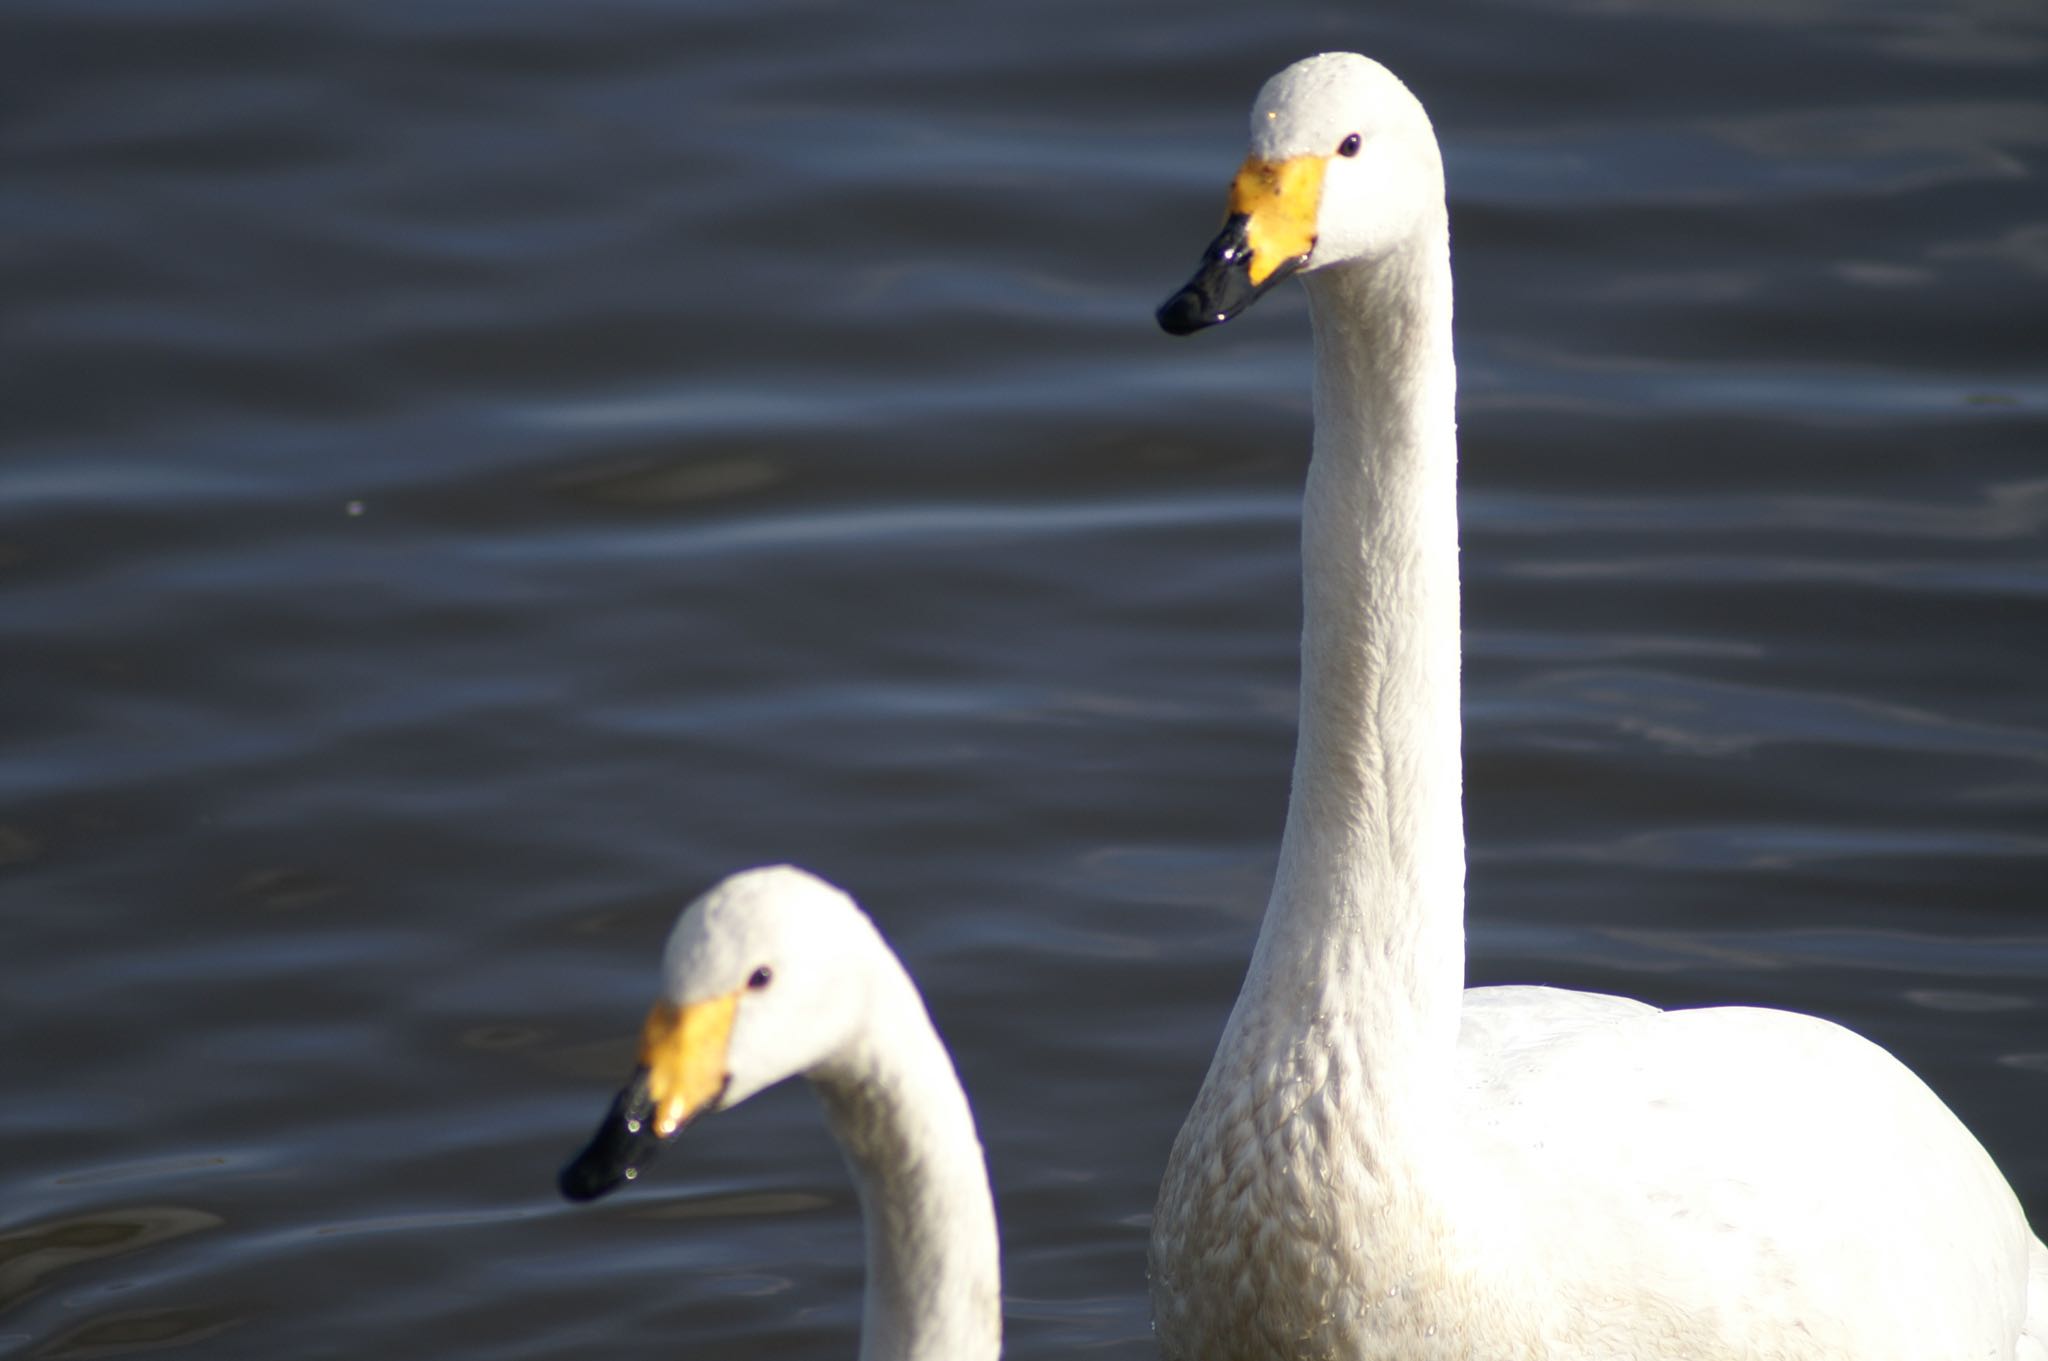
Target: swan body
(1381,1164)
(775,973)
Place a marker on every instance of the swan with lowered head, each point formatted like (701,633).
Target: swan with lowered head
(773,974)
(1381,1164)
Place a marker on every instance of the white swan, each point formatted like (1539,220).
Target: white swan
(775,973)
(1380,1164)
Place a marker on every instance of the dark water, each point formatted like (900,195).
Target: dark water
(473,474)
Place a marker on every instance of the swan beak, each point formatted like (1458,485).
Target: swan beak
(1270,232)
(682,1074)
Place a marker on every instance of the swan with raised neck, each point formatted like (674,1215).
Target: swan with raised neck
(1382,1164)
(774,974)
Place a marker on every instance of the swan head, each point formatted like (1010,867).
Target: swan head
(767,976)
(1344,168)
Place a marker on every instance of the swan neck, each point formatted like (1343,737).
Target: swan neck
(1366,923)
(895,1104)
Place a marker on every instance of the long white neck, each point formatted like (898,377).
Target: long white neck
(1362,949)
(934,1289)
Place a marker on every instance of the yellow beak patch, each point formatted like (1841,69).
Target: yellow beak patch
(683,1050)
(1280,202)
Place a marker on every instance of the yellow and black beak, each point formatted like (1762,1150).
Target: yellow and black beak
(1269,233)
(682,1073)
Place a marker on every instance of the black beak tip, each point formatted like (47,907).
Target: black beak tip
(623,1145)
(586,1178)
(1222,286)
(1187,312)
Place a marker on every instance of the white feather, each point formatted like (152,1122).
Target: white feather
(1381,1164)
(840,1011)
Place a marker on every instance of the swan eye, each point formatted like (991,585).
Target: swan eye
(1349,146)
(761,978)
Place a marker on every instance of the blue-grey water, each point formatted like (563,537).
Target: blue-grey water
(470,475)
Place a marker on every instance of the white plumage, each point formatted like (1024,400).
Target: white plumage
(775,974)
(1381,1164)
